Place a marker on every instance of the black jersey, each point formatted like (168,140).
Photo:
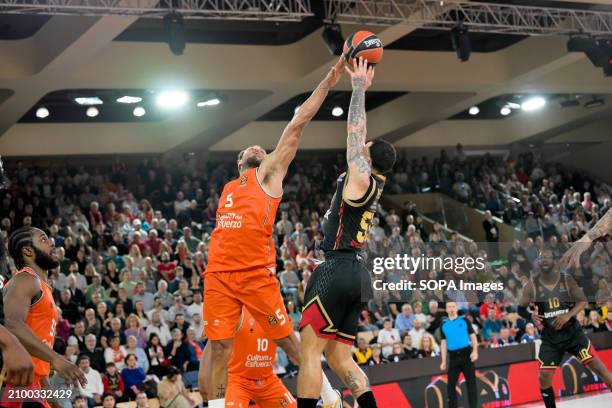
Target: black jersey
(347,223)
(554,302)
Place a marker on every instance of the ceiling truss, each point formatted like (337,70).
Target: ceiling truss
(477,16)
(266,10)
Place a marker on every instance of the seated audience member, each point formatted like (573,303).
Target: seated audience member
(363,353)
(113,382)
(172,392)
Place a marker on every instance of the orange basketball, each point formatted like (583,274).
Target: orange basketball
(363,44)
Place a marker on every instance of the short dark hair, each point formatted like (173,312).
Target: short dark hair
(19,239)
(383,155)
(82,357)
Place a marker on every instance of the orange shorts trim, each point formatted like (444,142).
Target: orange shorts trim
(268,392)
(258,290)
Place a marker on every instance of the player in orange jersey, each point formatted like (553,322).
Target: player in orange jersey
(242,258)
(251,369)
(29,308)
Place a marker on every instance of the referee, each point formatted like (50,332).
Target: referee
(459,339)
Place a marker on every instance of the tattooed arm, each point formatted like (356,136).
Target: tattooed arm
(274,167)
(357,151)
(603,227)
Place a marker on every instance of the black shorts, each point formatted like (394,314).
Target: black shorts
(554,347)
(334,296)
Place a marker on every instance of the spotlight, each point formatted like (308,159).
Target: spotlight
(88,101)
(175,29)
(172,99)
(474,110)
(209,102)
(533,104)
(505,111)
(337,111)
(595,103)
(139,111)
(513,105)
(92,112)
(332,36)
(461,42)
(42,112)
(129,99)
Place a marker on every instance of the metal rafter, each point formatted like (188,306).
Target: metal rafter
(267,10)
(477,16)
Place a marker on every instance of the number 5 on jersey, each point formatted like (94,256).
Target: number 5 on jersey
(229,201)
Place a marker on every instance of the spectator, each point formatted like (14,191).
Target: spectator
(133,348)
(94,389)
(418,313)
(289,281)
(398,353)
(132,328)
(530,335)
(294,314)
(387,337)
(434,317)
(115,353)
(377,357)
(416,333)
(155,353)
(141,400)
(491,326)
(177,351)
(158,327)
(133,376)
(409,350)
(404,320)
(143,296)
(504,337)
(363,353)
(171,391)
(95,354)
(428,346)
(108,401)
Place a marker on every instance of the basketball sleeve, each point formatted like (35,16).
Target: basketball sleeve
(442,333)
(470,328)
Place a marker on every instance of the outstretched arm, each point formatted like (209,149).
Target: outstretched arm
(357,151)
(603,227)
(274,167)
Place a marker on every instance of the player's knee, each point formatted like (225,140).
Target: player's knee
(221,349)
(545,378)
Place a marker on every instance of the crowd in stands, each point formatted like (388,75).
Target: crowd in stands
(132,243)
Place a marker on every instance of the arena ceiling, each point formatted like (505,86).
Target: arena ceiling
(260,70)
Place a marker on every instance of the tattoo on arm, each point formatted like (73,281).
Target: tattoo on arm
(603,226)
(356,152)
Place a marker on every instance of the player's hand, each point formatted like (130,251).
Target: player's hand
(473,356)
(68,371)
(335,73)
(19,365)
(571,257)
(561,320)
(443,366)
(536,318)
(361,73)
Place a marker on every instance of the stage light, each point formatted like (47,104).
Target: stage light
(93,100)
(461,42)
(337,111)
(129,99)
(513,105)
(505,111)
(139,111)
(92,112)
(172,99)
(42,112)
(474,110)
(209,102)
(175,30)
(332,36)
(533,104)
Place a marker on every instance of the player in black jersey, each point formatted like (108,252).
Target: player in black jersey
(333,295)
(16,365)
(556,298)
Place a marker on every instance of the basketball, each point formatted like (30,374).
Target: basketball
(363,44)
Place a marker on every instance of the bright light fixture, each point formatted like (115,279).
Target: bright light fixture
(505,111)
(513,105)
(172,99)
(532,104)
(129,99)
(92,112)
(87,101)
(337,111)
(474,110)
(139,111)
(209,102)
(42,112)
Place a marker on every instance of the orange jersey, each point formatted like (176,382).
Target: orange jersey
(242,239)
(254,354)
(42,319)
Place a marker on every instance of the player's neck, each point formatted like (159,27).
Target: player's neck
(550,278)
(42,274)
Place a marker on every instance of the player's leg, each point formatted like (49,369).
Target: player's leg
(204,372)
(340,358)
(601,370)
(220,321)
(549,357)
(585,352)
(310,376)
